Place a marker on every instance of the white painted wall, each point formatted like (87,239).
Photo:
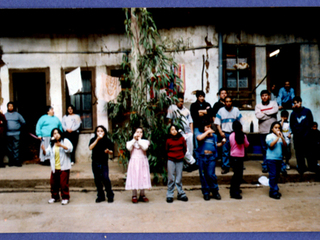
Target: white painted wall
(199,37)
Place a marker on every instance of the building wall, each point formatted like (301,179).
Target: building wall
(58,52)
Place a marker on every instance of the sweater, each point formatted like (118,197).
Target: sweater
(176,148)
(225,118)
(194,109)
(14,122)
(301,122)
(46,124)
(237,150)
(72,122)
(266,114)
(98,152)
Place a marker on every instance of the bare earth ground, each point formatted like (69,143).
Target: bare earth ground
(298,210)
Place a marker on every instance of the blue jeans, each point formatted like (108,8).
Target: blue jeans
(13,145)
(196,132)
(208,177)
(226,153)
(264,148)
(274,167)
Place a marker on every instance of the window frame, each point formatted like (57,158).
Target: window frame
(94,98)
(234,92)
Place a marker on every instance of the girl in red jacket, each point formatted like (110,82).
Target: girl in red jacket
(176,148)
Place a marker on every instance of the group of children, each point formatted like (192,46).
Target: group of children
(138,174)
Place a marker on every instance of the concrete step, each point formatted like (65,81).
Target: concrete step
(35,177)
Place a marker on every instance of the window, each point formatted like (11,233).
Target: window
(84,102)
(239,74)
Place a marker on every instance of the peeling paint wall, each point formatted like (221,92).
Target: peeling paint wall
(201,65)
(310,78)
(53,56)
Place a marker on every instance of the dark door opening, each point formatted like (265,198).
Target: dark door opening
(284,67)
(29,94)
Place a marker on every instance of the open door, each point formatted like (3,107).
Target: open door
(284,67)
(29,93)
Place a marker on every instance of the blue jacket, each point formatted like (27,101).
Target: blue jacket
(274,153)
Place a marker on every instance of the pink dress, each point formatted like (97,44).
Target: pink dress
(138,174)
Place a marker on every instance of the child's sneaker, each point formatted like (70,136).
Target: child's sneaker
(288,167)
(64,202)
(52,200)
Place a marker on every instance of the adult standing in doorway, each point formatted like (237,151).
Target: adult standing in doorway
(285,96)
(201,112)
(266,113)
(223,121)
(301,121)
(71,123)
(14,123)
(44,126)
(3,129)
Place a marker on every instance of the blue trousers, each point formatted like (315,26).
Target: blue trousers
(226,153)
(264,148)
(274,168)
(13,145)
(208,177)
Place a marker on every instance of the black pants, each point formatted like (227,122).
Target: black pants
(101,178)
(237,166)
(303,151)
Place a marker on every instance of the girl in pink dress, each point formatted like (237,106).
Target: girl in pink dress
(138,175)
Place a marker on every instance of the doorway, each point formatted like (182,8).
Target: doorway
(29,93)
(284,67)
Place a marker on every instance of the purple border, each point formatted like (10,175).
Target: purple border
(154,3)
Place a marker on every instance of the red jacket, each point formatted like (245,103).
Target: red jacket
(176,148)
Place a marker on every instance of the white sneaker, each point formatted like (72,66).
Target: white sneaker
(52,200)
(72,163)
(288,167)
(64,202)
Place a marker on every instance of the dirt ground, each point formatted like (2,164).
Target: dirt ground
(298,210)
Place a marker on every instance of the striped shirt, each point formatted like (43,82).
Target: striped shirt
(225,118)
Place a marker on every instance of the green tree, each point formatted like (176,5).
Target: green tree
(149,67)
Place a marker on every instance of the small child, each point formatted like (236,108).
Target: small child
(275,142)
(100,145)
(208,153)
(287,136)
(59,151)
(138,174)
(176,148)
(238,143)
